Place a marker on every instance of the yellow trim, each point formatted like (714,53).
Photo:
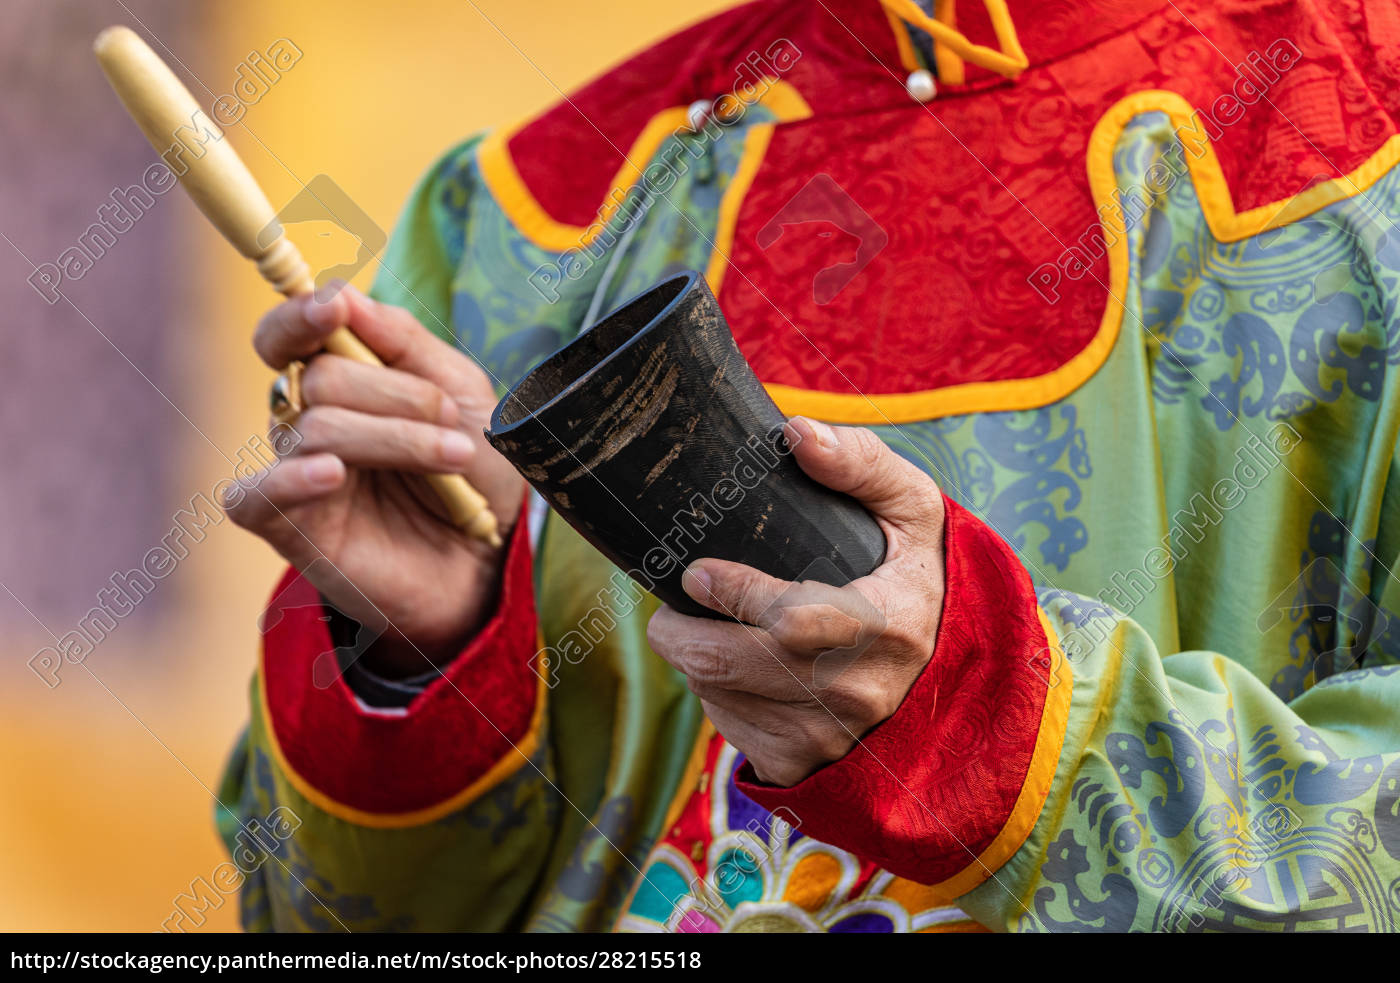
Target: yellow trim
(755,149)
(529,217)
(1009,61)
(1225,223)
(904,44)
(787,104)
(507,765)
(949,65)
(946,62)
(1045,758)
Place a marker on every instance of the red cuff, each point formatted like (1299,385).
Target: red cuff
(947,789)
(466,731)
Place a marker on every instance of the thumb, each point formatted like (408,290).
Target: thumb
(854,461)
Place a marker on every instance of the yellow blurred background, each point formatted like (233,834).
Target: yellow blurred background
(109,778)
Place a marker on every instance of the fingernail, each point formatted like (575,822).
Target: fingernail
(701,577)
(313,308)
(457,448)
(324,471)
(820,432)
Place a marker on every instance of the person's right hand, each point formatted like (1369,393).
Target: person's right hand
(349,506)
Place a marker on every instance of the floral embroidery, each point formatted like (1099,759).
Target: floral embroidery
(757,872)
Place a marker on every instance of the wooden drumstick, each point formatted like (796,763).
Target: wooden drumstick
(225,191)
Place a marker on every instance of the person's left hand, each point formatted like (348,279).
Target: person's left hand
(814,667)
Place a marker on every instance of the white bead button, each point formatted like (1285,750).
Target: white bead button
(697,113)
(921,86)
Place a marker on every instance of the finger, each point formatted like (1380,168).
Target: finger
(331,380)
(853,460)
(395,335)
(284,333)
(807,617)
(810,728)
(720,655)
(771,760)
(261,505)
(843,621)
(771,736)
(390,443)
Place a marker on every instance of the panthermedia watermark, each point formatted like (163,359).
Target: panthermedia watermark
(1128,587)
(126,589)
(1254,76)
(255,843)
(690,146)
(126,205)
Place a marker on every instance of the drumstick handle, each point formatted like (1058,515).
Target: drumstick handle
(195,150)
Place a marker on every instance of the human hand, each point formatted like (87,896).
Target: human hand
(349,506)
(767,684)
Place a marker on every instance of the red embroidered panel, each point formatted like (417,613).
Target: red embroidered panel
(967,196)
(595,127)
(906,267)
